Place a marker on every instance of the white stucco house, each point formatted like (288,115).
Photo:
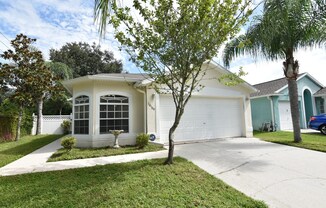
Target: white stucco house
(106,102)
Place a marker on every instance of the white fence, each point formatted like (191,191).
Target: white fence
(51,124)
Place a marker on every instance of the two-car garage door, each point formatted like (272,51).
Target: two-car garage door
(204,118)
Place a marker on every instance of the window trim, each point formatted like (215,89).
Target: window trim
(322,105)
(89,111)
(98,103)
(114,111)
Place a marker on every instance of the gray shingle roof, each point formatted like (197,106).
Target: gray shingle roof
(270,87)
(322,91)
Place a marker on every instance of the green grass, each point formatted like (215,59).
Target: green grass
(11,151)
(312,141)
(146,183)
(77,153)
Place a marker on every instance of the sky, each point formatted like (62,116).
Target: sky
(55,22)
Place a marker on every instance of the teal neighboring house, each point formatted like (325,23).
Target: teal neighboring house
(271,103)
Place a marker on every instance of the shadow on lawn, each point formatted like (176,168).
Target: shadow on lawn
(26,147)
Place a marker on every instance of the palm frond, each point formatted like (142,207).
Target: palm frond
(102,10)
(284,27)
(234,48)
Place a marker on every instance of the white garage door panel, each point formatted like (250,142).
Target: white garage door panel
(204,118)
(285,115)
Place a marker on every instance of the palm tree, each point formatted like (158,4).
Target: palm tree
(102,10)
(284,27)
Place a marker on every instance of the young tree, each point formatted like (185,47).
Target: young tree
(85,59)
(173,39)
(284,27)
(27,75)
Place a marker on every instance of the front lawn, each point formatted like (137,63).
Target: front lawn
(11,151)
(146,183)
(313,141)
(77,153)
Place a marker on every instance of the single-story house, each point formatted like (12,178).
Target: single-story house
(271,103)
(105,102)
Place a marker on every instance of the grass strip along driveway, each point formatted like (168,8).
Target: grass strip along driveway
(77,153)
(146,183)
(11,151)
(312,141)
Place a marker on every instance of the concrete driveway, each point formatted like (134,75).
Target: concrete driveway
(280,175)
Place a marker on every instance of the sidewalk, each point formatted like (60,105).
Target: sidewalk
(36,161)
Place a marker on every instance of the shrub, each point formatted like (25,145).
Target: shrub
(66,125)
(68,143)
(7,127)
(142,140)
(8,119)
(6,137)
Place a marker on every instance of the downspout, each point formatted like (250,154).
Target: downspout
(272,109)
(145,107)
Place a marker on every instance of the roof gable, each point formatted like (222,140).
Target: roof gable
(274,87)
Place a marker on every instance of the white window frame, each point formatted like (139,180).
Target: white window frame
(82,119)
(114,111)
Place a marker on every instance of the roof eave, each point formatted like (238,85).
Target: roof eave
(268,95)
(320,95)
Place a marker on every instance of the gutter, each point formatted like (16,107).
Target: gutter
(261,96)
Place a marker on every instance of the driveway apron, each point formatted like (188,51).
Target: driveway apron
(280,175)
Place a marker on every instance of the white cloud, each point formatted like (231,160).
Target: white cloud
(310,60)
(55,23)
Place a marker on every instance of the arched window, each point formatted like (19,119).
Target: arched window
(81,115)
(114,113)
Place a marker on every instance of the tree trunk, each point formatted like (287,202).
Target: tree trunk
(39,116)
(178,114)
(291,71)
(20,116)
(295,114)
(169,160)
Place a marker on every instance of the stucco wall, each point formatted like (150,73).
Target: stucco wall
(261,112)
(151,110)
(320,103)
(95,89)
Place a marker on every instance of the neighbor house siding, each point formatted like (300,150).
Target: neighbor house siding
(261,112)
(320,105)
(285,97)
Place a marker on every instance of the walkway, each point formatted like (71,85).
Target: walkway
(36,161)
